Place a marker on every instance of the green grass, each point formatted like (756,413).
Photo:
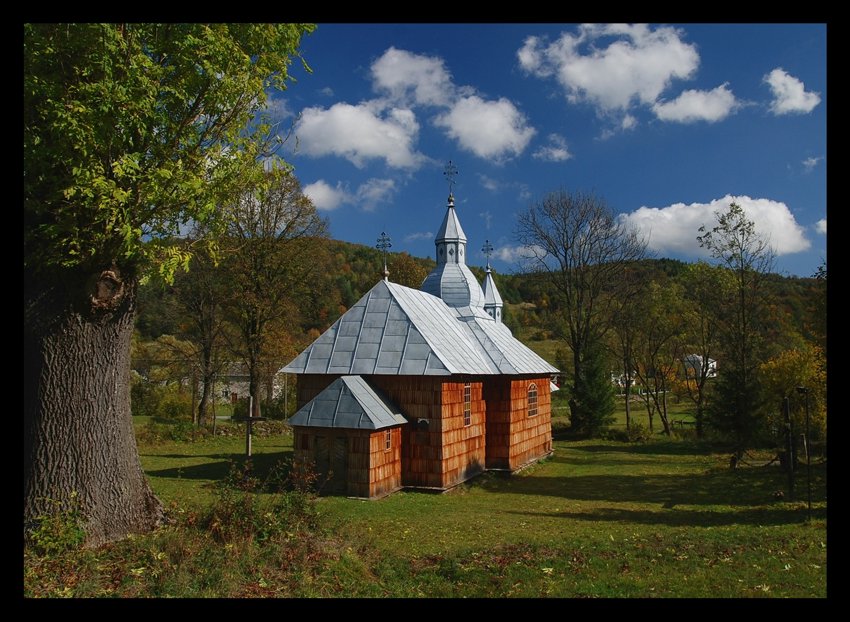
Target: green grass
(665,518)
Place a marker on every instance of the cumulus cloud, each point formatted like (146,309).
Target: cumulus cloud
(326,197)
(412,77)
(637,66)
(820,226)
(368,195)
(555,151)
(360,133)
(374,192)
(789,94)
(489,129)
(692,105)
(674,228)
(810,163)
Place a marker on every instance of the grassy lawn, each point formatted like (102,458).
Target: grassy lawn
(598,519)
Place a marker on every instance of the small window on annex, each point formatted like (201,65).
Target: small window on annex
(388,440)
(532,399)
(467,404)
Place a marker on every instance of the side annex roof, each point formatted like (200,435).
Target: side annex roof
(349,402)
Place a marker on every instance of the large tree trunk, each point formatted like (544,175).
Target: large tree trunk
(78,431)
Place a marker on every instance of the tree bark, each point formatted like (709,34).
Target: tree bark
(78,429)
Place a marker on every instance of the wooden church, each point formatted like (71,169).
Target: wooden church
(421,388)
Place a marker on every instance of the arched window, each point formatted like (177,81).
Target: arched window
(532,399)
(467,404)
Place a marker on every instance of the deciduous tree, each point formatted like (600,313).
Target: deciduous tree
(580,247)
(737,407)
(130,132)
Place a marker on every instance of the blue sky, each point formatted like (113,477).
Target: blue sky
(667,123)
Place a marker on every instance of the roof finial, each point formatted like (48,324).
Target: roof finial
(487,249)
(382,245)
(450,172)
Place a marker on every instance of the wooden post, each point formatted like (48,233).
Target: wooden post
(248,426)
(789,447)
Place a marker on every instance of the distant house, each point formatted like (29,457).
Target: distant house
(421,388)
(693,366)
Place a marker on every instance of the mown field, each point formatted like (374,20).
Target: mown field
(663,518)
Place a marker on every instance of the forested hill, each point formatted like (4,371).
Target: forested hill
(348,271)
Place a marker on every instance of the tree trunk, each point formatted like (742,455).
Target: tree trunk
(78,429)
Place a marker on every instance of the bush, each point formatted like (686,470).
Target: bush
(145,398)
(180,431)
(240,512)
(58,531)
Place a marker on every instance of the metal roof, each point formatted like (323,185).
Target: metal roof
(455,284)
(450,229)
(396,330)
(491,292)
(349,402)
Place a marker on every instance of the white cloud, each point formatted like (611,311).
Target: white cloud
(674,228)
(489,129)
(518,253)
(375,191)
(405,76)
(360,133)
(489,183)
(820,226)
(636,67)
(368,195)
(327,91)
(789,94)
(419,235)
(555,151)
(326,197)
(810,163)
(692,105)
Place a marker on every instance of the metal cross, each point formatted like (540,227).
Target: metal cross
(450,172)
(487,249)
(383,244)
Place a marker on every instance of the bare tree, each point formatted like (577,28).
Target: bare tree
(582,248)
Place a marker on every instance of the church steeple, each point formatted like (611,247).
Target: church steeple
(492,300)
(452,280)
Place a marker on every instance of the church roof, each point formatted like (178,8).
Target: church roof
(455,284)
(349,402)
(491,292)
(396,330)
(450,229)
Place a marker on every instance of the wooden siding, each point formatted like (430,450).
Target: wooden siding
(445,452)
(463,446)
(370,469)
(513,438)
(418,397)
(309,386)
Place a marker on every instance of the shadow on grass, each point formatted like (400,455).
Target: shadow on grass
(666,447)
(731,488)
(689,518)
(262,465)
